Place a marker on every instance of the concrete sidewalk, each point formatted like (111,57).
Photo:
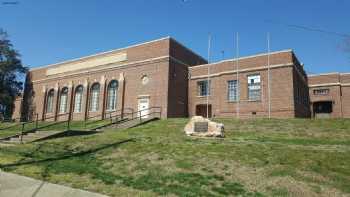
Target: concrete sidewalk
(12,185)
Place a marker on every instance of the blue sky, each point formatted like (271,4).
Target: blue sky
(46,32)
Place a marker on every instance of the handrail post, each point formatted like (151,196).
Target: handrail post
(68,124)
(110,117)
(140,116)
(22,133)
(36,122)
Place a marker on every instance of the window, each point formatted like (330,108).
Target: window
(78,98)
(49,105)
(63,100)
(232,87)
(203,88)
(254,88)
(94,97)
(321,92)
(112,95)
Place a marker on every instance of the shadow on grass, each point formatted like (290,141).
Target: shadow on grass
(68,133)
(69,155)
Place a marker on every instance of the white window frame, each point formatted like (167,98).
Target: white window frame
(63,100)
(204,91)
(254,87)
(232,89)
(94,98)
(50,98)
(112,96)
(78,99)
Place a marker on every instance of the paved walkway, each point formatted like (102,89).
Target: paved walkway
(12,185)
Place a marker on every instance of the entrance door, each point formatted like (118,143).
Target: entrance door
(323,109)
(201,110)
(143,104)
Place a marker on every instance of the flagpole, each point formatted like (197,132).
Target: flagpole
(208,82)
(237,76)
(268,73)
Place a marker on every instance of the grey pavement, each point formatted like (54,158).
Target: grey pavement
(13,185)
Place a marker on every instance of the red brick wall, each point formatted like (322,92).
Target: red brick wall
(282,98)
(333,83)
(166,88)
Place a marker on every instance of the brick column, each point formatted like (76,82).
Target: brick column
(56,108)
(45,103)
(71,100)
(87,95)
(121,93)
(103,96)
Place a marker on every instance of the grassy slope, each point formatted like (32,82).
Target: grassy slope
(257,158)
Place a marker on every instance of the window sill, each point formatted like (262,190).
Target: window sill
(203,96)
(254,100)
(232,101)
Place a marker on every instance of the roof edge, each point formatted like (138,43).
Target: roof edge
(323,74)
(246,57)
(187,48)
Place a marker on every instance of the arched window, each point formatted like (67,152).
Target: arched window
(94,97)
(112,95)
(49,105)
(63,100)
(78,97)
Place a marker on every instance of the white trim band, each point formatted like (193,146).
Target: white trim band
(241,70)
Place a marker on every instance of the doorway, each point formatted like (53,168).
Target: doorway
(322,109)
(143,106)
(201,110)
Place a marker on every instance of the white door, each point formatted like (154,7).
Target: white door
(143,105)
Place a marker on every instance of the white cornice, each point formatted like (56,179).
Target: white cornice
(241,70)
(99,69)
(324,84)
(109,67)
(323,74)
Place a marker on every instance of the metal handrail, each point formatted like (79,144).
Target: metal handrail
(23,132)
(140,116)
(103,116)
(135,117)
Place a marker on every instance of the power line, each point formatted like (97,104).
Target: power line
(306,28)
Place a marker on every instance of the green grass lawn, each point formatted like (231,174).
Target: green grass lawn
(256,158)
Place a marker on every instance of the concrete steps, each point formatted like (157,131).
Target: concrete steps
(131,123)
(30,137)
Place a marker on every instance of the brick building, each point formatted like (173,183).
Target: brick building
(330,95)
(136,77)
(244,91)
(164,73)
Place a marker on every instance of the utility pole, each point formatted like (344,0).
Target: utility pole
(208,79)
(237,76)
(268,74)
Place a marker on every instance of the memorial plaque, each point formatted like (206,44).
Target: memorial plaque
(201,127)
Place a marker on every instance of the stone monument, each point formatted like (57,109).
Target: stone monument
(202,127)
